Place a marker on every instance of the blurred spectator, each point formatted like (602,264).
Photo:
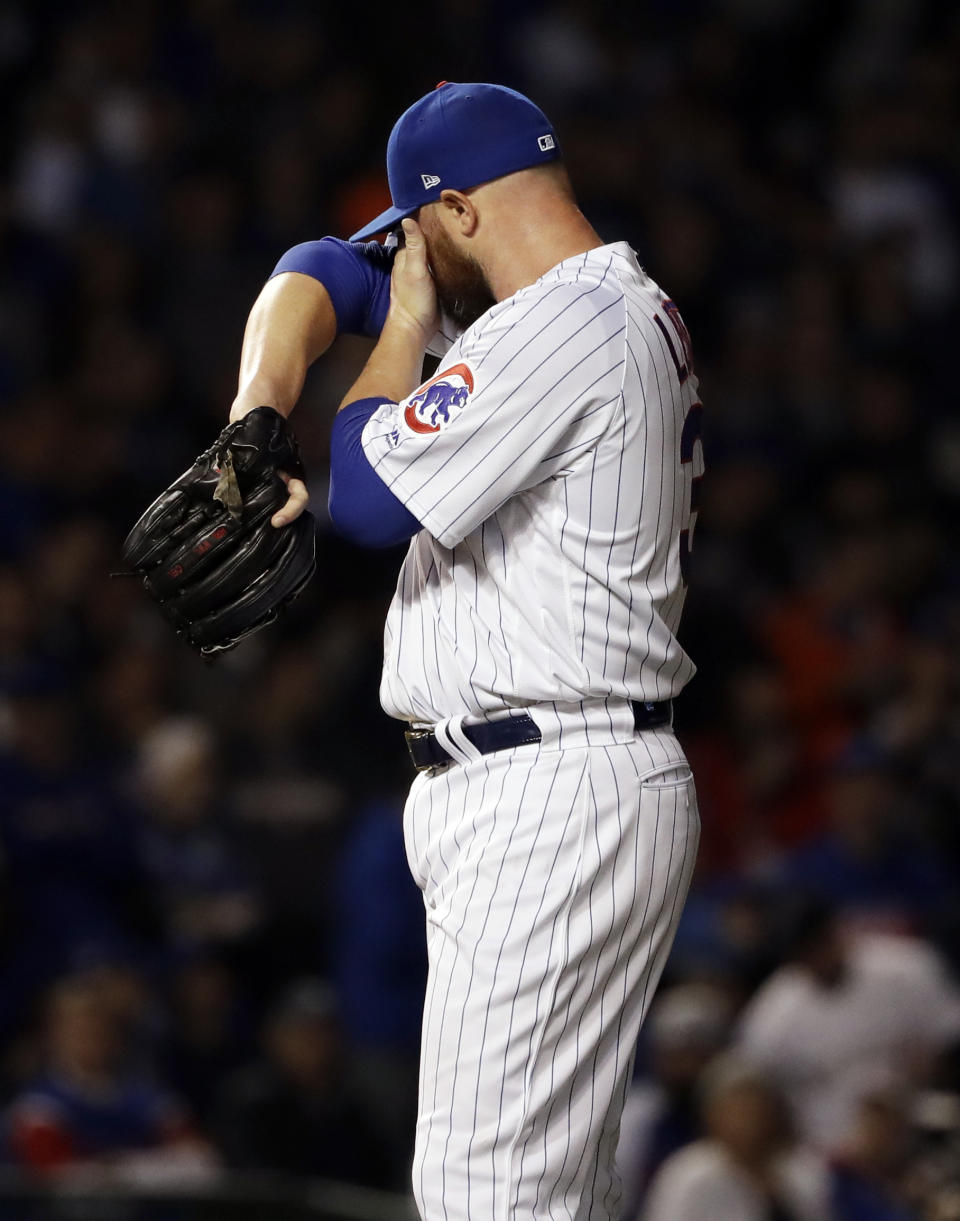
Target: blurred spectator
(380,969)
(870,863)
(67,837)
(687,1027)
(870,1177)
(295,1112)
(121,981)
(747,1168)
(187,851)
(209,1034)
(86,1109)
(841,1007)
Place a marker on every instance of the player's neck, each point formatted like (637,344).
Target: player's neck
(529,249)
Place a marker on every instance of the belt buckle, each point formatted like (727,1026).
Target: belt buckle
(417,735)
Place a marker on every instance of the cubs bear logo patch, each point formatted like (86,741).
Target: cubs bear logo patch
(439,401)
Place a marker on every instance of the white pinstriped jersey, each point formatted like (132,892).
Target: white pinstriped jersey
(552,461)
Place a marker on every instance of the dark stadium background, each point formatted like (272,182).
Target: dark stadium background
(202,883)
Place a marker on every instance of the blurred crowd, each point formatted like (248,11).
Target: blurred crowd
(210,949)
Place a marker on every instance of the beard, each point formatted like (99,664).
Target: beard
(462,288)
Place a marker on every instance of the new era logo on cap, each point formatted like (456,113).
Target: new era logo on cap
(546,143)
(429,180)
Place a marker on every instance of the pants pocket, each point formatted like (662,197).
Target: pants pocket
(668,776)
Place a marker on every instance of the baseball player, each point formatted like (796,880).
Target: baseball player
(546,480)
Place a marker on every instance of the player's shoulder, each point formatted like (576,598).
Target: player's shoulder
(595,277)
(614,272)
(575,295)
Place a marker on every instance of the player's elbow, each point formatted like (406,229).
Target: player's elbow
(371,525)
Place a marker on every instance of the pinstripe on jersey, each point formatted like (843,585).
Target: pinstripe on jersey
(553,501)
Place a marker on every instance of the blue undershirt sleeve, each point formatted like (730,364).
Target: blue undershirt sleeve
(355,274)
(362,507)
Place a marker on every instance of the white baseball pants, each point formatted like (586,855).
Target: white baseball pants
(553,877)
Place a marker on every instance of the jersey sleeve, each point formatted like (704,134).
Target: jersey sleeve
(517,400)
(355,274)
(357,277)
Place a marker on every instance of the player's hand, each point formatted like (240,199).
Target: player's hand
(298,496)
(296,500)
(413,294)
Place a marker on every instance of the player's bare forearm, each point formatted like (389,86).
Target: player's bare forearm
(396,363)
(291,324)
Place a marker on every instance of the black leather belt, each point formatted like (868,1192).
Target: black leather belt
(488,736)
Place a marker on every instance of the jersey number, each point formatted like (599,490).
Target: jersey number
(692,424)
(684,358)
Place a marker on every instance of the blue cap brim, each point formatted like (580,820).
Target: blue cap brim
(386,220)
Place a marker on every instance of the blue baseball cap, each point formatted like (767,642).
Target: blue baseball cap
(455,138)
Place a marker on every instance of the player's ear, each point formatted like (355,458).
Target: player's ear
(460,212)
